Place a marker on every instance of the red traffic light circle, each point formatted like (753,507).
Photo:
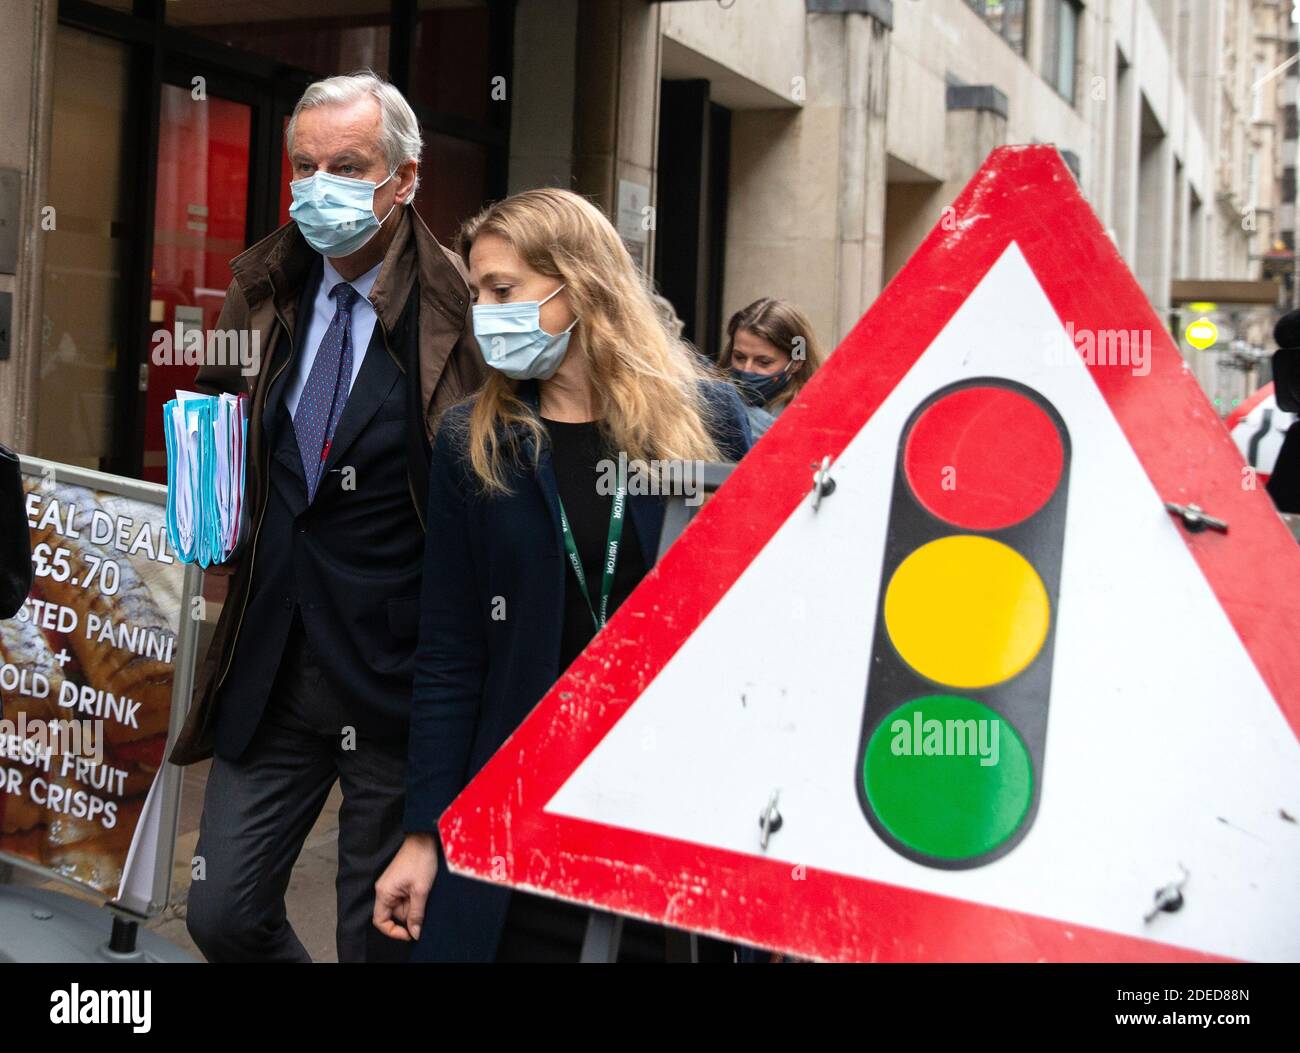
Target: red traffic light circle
(983,457)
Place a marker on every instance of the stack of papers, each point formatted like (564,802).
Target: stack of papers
(206,437)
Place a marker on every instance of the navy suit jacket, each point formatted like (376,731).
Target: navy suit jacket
(477,677)
(350,562)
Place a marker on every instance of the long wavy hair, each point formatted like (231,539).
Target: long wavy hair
(784,326)
(648,386)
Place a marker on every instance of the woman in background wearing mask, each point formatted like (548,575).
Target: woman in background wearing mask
(515,579)
(771,353)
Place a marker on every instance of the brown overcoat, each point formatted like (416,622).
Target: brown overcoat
(262,300)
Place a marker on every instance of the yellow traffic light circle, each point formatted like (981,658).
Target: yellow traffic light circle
(966,611)
(1202,333)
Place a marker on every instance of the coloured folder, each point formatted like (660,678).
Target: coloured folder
(206,437)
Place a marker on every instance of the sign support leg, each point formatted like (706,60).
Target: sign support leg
(122,939)
(604,932)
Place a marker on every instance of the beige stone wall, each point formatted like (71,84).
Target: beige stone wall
(806,215)
(752,52)
(940,37)
(793,223)
(782,211)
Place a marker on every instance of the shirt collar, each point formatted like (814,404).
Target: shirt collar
(363,284)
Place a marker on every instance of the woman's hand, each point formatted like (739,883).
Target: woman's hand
(403,889)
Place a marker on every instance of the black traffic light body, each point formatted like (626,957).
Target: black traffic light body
(947,810)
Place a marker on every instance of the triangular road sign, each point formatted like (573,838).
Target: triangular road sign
(1005,427)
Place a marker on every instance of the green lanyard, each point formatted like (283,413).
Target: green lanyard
(611,554)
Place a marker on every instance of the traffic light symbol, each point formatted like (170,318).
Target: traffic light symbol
(950,761)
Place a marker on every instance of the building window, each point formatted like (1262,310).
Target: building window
(1005,17)
(1061,45)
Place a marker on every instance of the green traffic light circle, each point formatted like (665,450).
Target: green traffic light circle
(948,777)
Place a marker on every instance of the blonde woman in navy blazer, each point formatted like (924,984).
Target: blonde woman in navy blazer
(589,373)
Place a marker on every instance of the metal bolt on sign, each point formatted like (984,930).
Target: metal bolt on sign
(1168,899)
(1195,519)
(770,821)
(823,484)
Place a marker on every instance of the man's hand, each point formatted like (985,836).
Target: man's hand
(223,570)
(403,889)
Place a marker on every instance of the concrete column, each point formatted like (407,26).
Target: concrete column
(1154,250)
(806,213)
(26,77)
(1179,228)
(616,98)
(975,125)
(863,179)
(542,94)
(1124,184)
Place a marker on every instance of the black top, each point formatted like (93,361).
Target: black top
(577,453)
(538,928)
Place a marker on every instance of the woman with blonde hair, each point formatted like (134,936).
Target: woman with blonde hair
(521,517)
(771,354)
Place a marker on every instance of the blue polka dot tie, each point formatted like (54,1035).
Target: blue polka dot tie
(321,404)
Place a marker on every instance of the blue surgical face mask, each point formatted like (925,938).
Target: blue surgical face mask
(758,389)
(336,215)
(511,339)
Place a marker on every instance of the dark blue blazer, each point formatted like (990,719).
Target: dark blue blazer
(477,677)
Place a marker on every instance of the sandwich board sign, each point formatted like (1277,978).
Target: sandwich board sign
(1003,693)
(96,671)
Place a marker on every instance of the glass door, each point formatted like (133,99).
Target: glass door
(200,223)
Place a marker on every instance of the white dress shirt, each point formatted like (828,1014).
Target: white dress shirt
(363,328)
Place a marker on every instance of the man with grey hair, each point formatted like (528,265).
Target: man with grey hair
(362,317)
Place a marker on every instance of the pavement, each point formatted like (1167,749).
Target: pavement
(310,899)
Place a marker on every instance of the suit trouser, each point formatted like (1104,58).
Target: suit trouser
(258,810)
